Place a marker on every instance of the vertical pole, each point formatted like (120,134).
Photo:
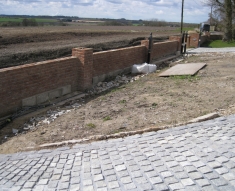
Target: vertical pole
(185,44)
(182,43)
(182,17)
(150,47)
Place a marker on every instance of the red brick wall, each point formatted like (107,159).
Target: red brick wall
(178,39)
(162,49)
(193,39)
(17,83)
(108,61)
(20,82)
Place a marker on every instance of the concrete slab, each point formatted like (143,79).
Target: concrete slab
(42,98)
(183,69)
(30,101)
(55,94)
(66,90)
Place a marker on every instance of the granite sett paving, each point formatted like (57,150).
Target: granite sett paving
(199,156)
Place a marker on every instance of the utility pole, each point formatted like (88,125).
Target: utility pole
(182,17)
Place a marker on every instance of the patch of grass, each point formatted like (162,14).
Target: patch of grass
(123,101)
(154,104)
(107,118)
(185,77)
(91,125)
(219,44)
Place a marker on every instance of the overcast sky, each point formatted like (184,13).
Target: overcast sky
(168,10)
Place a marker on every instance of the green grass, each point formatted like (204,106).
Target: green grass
(6,19)
(185,77)
(122,101)
(91,125)
(107,118)
(219,44)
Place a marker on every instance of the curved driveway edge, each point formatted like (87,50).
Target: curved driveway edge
(198,156)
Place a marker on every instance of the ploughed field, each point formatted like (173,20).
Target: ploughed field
(22,45)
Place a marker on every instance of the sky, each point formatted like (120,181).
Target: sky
(167,10)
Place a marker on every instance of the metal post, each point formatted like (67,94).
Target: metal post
(182,43)
(185,44)
(150,47)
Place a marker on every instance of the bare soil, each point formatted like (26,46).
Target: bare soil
(32,44)
(151,101)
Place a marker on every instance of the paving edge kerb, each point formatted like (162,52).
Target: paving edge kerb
(129,133)
(106,143)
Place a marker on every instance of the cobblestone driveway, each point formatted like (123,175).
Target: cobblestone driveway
(199,156)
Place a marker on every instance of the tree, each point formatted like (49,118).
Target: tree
(226,10)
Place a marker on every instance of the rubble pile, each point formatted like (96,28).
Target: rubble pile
(119,80)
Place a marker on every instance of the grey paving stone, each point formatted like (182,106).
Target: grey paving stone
(75,180)
(203,182)
(87,182)
(181,175)
(211,175)
(209,188)
(126,180)
(219,182)
(88,188)
(151,174)
(198,164)
(136,174)
(227,188)
(161,187)
(100,184)
(111,178)
(176,186)
(155,180)
(113,184)
(130,186)
(147,168)
(170,180)
(205,170)
(214,164)
(221,170)
(195,175)
(98,177)
(123,173)
(29,185)
(229,176)
(166,174)
(172,164)
(187,182)
(222,159)
(190,169)
(109,172)
(145,186)
(74,187)
(180,158)
(43,182)
(160,169)
(140,180)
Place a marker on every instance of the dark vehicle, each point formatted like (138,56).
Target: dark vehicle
(205,27)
